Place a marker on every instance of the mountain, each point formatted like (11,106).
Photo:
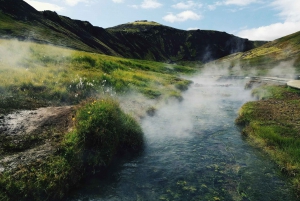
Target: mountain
(140,39)
(285,49)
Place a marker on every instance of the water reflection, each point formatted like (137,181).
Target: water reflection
(194,151)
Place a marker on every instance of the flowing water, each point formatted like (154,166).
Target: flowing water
(194,151)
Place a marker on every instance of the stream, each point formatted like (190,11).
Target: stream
(193,151)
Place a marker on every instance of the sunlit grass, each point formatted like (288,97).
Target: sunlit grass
(55,76)
(268,55)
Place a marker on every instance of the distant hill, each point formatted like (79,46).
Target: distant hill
(140,39)
(269,55)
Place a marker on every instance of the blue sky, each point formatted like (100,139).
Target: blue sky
(252,19)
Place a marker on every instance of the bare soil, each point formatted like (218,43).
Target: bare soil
(31,135)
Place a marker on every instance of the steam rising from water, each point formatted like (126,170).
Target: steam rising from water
(193,151)
(176,120)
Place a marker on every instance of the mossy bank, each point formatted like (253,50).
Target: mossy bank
(101,132)
(272,124)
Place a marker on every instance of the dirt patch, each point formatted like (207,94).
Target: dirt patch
(30,135)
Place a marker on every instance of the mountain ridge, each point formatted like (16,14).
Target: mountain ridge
(150,41)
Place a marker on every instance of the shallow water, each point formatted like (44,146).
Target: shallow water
(194,151)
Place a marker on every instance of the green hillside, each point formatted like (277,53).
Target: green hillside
(139,40)
(285,49)
(48,75)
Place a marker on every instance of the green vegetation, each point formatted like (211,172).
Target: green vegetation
(275,92)
(145,22)
(140,40)
(273,125)
(36,75)
(268,55)
(101,131)
(41,75)
(135,26)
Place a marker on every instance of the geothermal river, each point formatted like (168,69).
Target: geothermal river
(194,151)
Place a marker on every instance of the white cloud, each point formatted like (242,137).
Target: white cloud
(187,5)
(289,12)
(118,1)
(270,32)
(214,6)
(181,17)
(150,4)
(239,2)
(134,6)
(75,2)
(41,6)
(231,2)
(289,9)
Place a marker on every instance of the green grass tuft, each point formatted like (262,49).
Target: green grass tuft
(101,132)
(273,125)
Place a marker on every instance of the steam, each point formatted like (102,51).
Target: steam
(176,120)
(215,84)
(284,69)
(12,52)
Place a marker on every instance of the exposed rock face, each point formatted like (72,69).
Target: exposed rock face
(141,39)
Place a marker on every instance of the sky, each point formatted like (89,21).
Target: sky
(252,19)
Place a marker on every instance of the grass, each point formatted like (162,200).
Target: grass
(275,92)
(136,26)
(145,23)
(42,32)
(268,55)
(101,131)
(36,75)
(41,75)
(273,125)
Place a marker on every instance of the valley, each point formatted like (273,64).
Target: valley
(144,111)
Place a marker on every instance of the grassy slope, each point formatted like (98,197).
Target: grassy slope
(47,75)
(273,125)
(35,75)
(140,40)
(268,55)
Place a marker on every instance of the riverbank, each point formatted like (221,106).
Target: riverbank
(272,124)
(61,146)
